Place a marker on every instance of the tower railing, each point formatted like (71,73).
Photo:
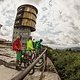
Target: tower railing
(24,73)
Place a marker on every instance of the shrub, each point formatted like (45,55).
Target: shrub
(67,63)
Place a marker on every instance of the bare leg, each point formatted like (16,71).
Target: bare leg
(17,65)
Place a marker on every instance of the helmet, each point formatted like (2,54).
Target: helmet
(30,37)
(19,37)
(41,40)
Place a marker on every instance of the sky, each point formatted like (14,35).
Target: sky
(58,21)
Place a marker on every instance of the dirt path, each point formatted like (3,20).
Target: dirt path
(50,74)
(7,68)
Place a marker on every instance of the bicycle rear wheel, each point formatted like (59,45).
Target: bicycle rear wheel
(40,62)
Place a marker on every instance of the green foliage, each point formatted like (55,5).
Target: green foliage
(67,63)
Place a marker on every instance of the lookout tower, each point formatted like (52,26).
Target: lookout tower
(25,21)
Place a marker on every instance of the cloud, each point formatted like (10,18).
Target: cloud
(34,1)
(58,20)
(1,0)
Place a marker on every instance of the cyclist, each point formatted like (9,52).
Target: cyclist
(38,46)
(29,45)
(17,46)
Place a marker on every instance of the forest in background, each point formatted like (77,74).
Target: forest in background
(67,63)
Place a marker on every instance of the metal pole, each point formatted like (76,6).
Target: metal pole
(22,75)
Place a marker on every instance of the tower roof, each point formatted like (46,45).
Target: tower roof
(24,5)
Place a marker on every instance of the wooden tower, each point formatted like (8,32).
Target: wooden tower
(25,21)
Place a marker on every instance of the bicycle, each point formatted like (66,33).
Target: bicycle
(27,59)
(41,60)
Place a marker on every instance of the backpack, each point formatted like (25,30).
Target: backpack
(14,47)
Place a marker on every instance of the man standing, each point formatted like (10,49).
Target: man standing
(17,46)
(29,44)
(38,46)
